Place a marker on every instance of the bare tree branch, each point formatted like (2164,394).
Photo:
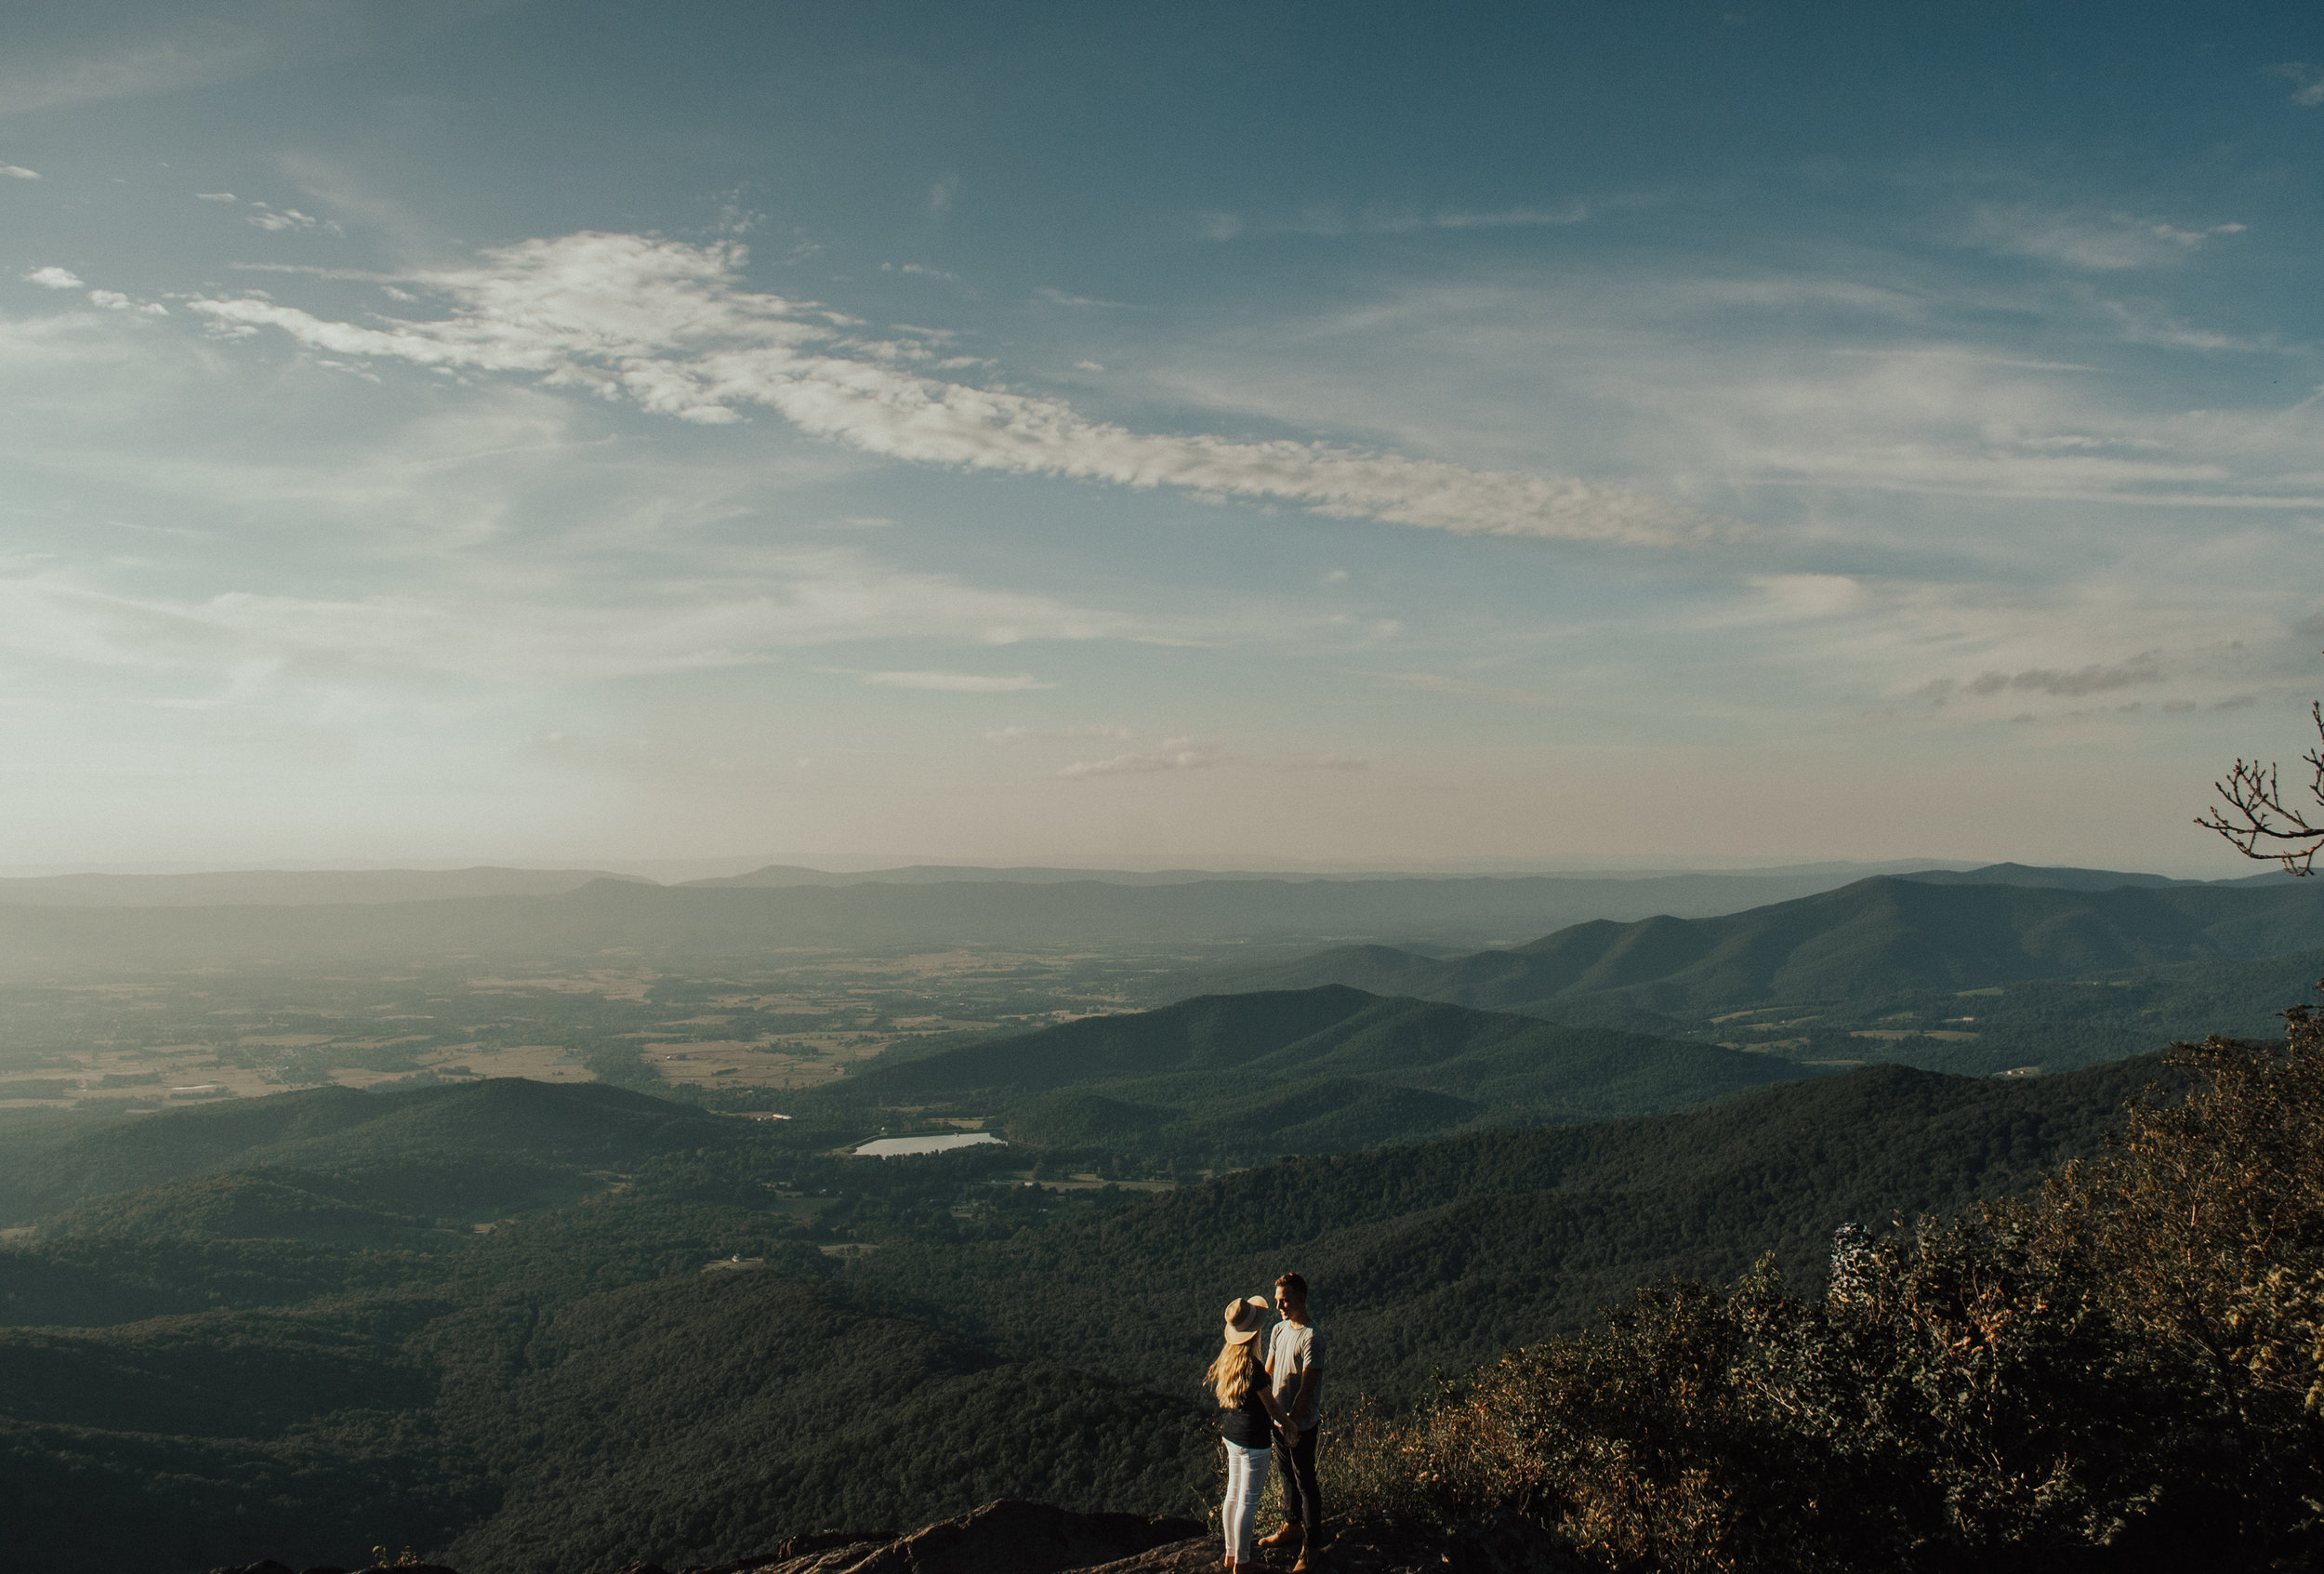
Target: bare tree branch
(2252,816)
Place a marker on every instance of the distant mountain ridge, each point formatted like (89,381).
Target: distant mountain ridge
(292,887)
(643,922)
(1819,876)
(2075,879)
(1878,936)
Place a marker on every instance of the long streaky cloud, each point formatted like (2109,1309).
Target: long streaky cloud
(669,326)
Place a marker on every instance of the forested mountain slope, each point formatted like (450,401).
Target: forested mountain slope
(596,1382)
(1316,1070)
(1874,939)
(505,1136)
(1447,1251)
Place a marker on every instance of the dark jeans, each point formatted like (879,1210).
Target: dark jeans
(1303,1500)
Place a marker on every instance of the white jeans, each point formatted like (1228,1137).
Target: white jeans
(1246,1479)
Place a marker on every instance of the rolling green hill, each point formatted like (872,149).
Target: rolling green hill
(447,1149)
(603,1380)
(1300,1071)
(1446,1252)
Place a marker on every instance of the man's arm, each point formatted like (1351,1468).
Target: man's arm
(1288,1423)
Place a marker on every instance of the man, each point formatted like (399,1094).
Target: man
(1292,1351)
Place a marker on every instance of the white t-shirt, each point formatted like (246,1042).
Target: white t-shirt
(1291,1352)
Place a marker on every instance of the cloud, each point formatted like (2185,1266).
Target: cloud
(942,195)
(1501,219)
(957,682)
(53,278)
(1176,754)
(667,325)
(1435,683)
(288,219)
(1330,219)
(1058,297)
(113,300)
(2095,241)
(476,632)
(2096,679)
(17,172)
(214,196)
(2308,82)
(88,54)
(1324,763)
(1030,735)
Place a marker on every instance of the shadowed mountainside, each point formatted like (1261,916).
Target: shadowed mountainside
(507,1127)
(1316,1070)
(1443,1253)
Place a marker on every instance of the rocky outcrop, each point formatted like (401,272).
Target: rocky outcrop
(1372,1543)
(1014,1537)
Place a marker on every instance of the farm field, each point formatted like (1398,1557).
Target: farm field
(795,1021)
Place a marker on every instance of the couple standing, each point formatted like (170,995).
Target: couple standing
(1272,1409)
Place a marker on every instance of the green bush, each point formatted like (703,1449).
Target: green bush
(2130,1364)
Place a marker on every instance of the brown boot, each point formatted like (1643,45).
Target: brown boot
(1284,1537)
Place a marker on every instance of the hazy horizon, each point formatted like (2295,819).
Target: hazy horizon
(1531,437)
(670,871)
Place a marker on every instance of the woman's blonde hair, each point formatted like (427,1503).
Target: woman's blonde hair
(1232,1374)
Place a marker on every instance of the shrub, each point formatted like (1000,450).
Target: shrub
(2132,1361)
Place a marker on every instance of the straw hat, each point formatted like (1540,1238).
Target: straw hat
(1244,1317)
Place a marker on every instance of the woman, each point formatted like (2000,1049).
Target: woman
(1246,1427)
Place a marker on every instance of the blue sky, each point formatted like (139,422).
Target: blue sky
(1400,435)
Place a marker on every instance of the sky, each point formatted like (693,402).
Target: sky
(1407,436)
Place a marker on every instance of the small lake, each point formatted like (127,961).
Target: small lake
(887,1147)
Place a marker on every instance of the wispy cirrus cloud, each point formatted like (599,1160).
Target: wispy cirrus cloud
(2094,241)
(1176,754)
(959,683)
(2308,82)
(288,219)
(821,600)
(1196,754)
(1333,219)
(17,172)
(1032,735)
(1437,683)
(2096,678)
(669,326)
(98,54)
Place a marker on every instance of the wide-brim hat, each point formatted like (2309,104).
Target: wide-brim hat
(1244,1319)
